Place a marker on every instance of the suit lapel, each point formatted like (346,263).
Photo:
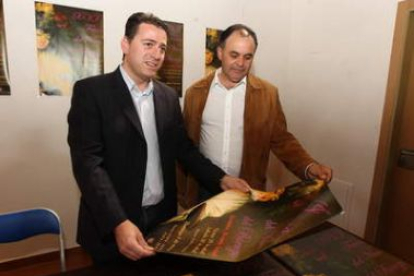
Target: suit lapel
(121,93)
(160,108)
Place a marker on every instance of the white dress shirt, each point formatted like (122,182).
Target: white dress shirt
(222,125)
(144,104)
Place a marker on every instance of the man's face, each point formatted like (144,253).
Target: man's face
(236,58)
(145,53)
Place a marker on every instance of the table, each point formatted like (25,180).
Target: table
(325,250)
(329,250)
(263,264)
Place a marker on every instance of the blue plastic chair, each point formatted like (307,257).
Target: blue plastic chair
(16,226)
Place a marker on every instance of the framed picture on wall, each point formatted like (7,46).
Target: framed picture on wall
(4,69)
(69,46)
(171,72)
(211,60)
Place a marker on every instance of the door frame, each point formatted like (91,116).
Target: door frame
(389,122)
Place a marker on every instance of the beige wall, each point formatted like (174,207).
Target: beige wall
(329,59)
(337,75)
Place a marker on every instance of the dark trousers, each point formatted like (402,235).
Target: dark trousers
(203,194)
(151,216)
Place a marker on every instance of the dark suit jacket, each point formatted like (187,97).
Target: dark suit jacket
(109,155)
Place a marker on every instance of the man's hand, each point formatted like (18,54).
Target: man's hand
(229,182)
(321,172)
(131,242)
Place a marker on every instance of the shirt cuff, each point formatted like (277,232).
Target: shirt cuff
(307,170)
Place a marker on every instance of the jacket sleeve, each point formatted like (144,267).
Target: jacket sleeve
(86,150)
(285,146)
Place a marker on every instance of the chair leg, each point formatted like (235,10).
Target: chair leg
(62,254)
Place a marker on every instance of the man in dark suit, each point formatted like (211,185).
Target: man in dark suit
(125,134)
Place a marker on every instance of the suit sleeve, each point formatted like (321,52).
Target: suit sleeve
(204,171)
(86,149)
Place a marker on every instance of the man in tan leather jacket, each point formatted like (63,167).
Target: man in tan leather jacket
(236,119)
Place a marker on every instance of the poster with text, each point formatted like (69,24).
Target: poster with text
(334,251)
(171,72)
(69,46)
(234,226)
(4,68)
(212,61)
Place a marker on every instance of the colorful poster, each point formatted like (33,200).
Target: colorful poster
(69,46)
(333,251)
(212,62)
(4,69)
(234,226)
(171,72)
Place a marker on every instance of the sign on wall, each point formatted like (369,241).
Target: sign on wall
(211,60)
(4,70)
(171,72)
(69,46)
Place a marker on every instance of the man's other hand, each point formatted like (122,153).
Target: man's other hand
(321,172)
(230,182)
(131,242)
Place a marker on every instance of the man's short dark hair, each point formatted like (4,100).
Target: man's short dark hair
(242,29)
(138,18)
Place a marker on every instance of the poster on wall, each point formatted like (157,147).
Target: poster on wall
(69,46)
(211,59)
(4,69)
(171,72)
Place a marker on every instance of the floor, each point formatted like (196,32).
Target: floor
(45,264)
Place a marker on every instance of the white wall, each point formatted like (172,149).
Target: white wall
(337,77)
(329,59)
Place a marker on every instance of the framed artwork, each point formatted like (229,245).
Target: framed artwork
(171,72)
(4,69)
(69,46)
(211,59)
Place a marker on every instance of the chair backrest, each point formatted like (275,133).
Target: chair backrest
(16,226)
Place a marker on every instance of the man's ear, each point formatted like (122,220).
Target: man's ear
(220,53)
(125,45)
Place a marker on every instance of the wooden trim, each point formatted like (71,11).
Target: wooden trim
(382,167)
(71,254)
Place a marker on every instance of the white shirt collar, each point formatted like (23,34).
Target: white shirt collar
(132,87)
(216,79)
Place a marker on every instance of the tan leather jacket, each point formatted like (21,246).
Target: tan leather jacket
(264,130)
